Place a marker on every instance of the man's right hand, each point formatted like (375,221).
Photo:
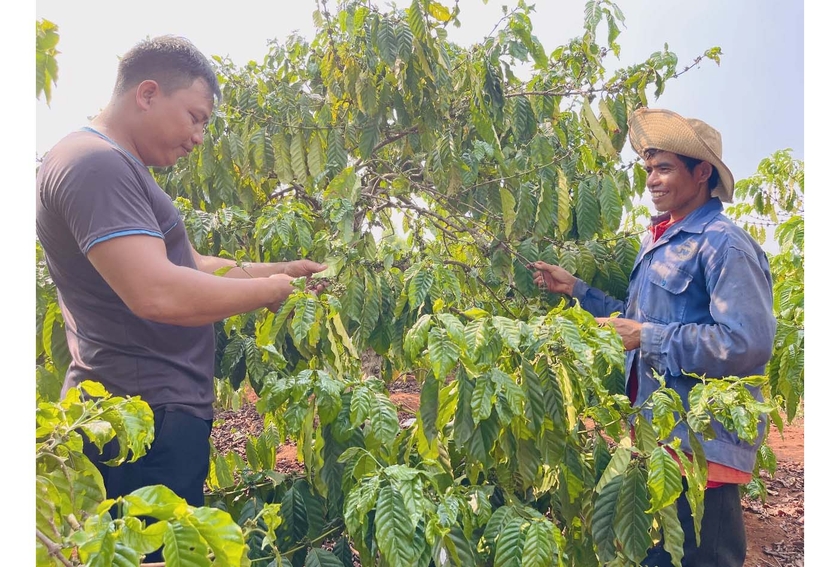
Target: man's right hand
(553,278)
(284,289)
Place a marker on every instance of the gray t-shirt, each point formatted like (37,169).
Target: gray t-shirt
(89,191)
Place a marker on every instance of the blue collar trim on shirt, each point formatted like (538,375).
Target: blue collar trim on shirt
(113,143)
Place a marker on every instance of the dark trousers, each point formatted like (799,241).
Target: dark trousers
(179,459)
(723,540)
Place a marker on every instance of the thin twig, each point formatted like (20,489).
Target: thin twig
(53,548)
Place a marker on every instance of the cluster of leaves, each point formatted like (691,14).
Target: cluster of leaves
(74,524)
(519,454)
(46,66)
(774,197)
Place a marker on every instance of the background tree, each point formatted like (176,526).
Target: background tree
(46,66)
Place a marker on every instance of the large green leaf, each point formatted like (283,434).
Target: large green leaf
(540,548)
(443,352)
(393,529)
(633,523)
(383,419)
(183,546)
(664,480)
(321,558)
(156,501)
(672,533)
(221,533)
(604,518)
(587,213)
(510,545)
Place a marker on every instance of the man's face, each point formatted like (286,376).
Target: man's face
(673,187)
(175,123)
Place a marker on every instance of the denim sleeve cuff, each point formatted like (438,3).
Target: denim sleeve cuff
(650,345)
(580,288)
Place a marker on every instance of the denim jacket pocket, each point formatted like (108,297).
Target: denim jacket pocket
(665,300)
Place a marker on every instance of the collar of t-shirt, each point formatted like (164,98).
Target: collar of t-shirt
(659,229)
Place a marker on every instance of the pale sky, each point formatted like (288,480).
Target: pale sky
(755,98)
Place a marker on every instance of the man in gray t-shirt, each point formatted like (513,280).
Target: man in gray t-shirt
(138,301)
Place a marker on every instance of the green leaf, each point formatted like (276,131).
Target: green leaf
(509,330)
(439,12)
(604,145)
(221,533)
(664,480)
(673,534)
(321,558)
(303,319)
(610,202)
(633,523)
(508,203)
(383,419)
(587,211)
(564,204)
(604,518)
(369,138)
(315,155)
(443,352)
(616,467)
(540,548)
(535,397)
(416,20)
(524,120)
(482,398)
(510,545)
(298,156)
(416,337)
(156,501)
(393,528)
(360,405)
(183,546)
(344,552)
(419,287)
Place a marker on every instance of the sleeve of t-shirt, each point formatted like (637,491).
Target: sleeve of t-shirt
(103,197)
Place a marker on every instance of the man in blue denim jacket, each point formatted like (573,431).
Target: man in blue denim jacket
(699,301)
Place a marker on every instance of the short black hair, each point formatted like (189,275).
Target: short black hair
(689,162)
(171,61)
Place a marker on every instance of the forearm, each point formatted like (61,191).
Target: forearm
(595,301)
(211,264)
(189,298)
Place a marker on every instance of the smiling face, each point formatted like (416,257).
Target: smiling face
(673,187)
(172,123)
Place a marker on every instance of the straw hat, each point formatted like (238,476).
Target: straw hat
(668,131)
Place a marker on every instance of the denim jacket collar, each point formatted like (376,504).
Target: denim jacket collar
(694,222)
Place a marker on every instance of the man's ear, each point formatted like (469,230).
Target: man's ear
(703,171)
(145,92)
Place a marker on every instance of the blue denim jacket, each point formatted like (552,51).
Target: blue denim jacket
(704,296)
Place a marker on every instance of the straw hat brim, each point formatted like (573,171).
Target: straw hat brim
(668,131)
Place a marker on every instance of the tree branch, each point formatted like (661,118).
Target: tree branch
(53,548)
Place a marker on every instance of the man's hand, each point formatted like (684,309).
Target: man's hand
(284,282)
(553,278)
(300,268)
(629,330)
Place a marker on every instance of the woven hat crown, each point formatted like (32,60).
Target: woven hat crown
(668,131)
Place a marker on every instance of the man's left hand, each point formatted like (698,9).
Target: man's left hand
(629,330)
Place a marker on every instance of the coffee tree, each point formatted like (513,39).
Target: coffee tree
(427,176)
